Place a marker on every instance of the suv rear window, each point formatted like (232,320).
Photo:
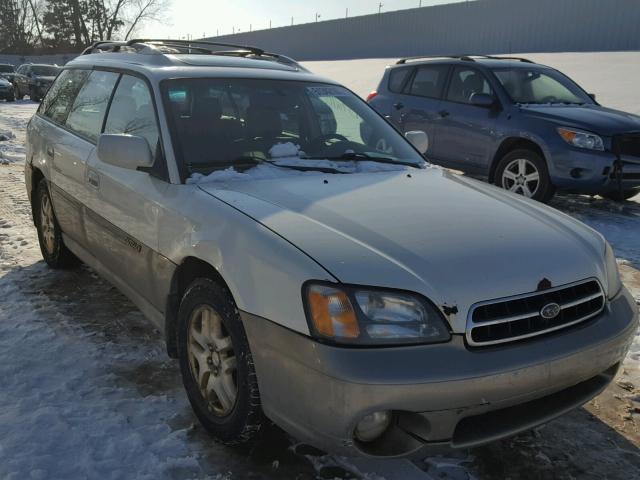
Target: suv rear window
(397,78)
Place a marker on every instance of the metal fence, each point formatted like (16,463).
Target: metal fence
(482,26)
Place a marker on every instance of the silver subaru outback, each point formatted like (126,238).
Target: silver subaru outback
(306,272)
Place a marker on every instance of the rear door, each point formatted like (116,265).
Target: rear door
(65,151)
(465,132)
(416,108)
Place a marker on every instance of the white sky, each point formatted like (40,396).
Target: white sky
(198,17)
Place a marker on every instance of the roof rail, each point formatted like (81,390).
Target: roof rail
(189,47)
(468,58)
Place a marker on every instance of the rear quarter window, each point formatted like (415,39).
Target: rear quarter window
(397,78)
(60,97)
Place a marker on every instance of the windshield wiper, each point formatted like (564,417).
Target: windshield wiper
(365,156)
(305,168)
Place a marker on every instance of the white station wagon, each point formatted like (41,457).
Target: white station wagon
(307,266)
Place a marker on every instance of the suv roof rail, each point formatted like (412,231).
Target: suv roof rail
(467,58)
(202,47)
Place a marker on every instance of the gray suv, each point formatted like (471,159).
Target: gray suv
(527,127)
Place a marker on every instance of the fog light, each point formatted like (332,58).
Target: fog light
(372,426)
(576,172)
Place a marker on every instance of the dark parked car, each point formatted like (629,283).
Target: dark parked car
(7,71)
(527,127)
(34,80)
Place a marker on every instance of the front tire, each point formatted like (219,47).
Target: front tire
(52,246)
(216,364)
(525,172)
(33,94)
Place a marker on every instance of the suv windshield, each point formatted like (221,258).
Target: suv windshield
(45,70)
(222,123)
(535,85)
(7,69)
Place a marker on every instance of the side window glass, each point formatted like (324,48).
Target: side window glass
(87,112)
(429,81)
(465,82)
(132,111)
(397,76)
(60,96)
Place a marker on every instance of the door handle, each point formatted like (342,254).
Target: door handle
(94,179)
(50,151)
(443,113)
(398,106)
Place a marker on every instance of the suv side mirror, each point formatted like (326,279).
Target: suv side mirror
(482,100)
(593,96)
(124,151)
(418,139)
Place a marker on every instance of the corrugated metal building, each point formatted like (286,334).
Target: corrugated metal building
(482,26)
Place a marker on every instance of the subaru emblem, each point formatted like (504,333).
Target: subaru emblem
(550,310)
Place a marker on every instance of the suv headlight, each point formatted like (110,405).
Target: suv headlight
(368,316)
(614,284)
(580,139)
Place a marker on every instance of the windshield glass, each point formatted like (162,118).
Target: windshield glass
(45,70)
(241,123)
(535,85)
(7,69)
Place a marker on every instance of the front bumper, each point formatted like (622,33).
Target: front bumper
(591,172)
(440,394)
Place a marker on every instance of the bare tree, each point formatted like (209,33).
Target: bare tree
(143,11)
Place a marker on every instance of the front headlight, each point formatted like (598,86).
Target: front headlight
(580,139)
(366,316)
(614,284)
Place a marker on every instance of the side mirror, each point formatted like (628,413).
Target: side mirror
(593,96)
(418,139)
(124,151)
(482,100)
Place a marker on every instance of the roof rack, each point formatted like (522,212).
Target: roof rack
(202,47)
(467,58)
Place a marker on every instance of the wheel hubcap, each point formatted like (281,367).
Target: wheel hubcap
(521,176)
(47,224)
(212,360)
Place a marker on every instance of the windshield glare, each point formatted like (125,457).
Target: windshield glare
(45,71)
(6,69)
(526,85)
(222,123)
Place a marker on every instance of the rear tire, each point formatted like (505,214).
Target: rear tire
(525,172)
(618,197)
(217,365)
(52,246)
(11,98)
(33,95)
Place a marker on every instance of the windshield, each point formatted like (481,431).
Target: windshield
(535,85)
(241,123)
(45,70)
(7,69)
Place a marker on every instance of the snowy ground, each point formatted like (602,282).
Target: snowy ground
(88,392)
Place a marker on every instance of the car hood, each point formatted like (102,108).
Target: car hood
(593,118)
(455,240)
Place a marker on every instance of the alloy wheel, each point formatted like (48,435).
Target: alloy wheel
(47,224)
(521,176)
(212,360)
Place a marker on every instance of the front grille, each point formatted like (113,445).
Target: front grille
(516,318)
(626,144)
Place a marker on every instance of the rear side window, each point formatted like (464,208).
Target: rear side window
(87,112)
(61,95)
(132,111)
(397,78)
(429,81)
(465,82)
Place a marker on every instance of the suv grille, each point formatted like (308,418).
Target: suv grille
(515,318)
(627,144)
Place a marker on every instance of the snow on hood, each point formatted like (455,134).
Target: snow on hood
(455,240)
(285,155)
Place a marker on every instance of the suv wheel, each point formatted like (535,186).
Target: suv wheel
(216,364)
(11,97)
(620,196)
(33,94)
(524,172)
(53,249)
